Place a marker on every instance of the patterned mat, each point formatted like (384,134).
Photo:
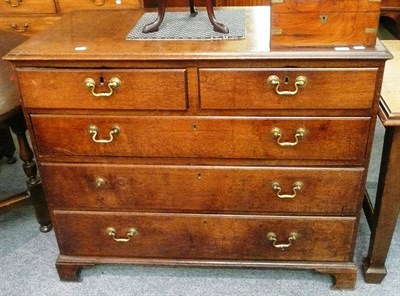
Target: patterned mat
(180,25)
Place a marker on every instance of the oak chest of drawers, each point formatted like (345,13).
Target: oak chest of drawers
(219,153)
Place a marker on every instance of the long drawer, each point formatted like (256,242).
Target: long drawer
(27,6)
(27,24)
(241,88)
(153,235)
(203,188)
(70,5)
(203,137)
(141,89)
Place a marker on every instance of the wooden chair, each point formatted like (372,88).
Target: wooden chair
(11,116)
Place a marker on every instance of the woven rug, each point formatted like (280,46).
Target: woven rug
(180,25)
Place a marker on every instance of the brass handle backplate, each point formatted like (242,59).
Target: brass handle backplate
(274,81)
(297,187)
(111,232)
(21,29)
(271,236)
(16,4)
(299,135)
(114,83)
(94,130)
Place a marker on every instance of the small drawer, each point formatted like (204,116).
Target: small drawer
(241,88)
(161,89)
(27,25)
(191,236)
(203,137)
(203,188)
(27,6)
(323,5)
(324,29)
(69,5)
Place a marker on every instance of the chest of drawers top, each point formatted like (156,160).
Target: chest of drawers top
(74,39)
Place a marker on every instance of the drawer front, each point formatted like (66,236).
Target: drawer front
(324,29)
(26,25)
(136,89)
(27,6)
(324,5)
(202,137)
(203,188)
(69,5)
(192,236)
(255,89)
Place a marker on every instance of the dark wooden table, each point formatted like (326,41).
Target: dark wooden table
(383,217)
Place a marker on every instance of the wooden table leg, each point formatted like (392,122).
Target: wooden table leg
(218,27)
(386,210)
(35,189)
(153,27)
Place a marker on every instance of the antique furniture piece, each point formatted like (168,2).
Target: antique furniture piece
(199,153)
(382,220)
(391,9)
(153,27)
(324,23)
(11,116)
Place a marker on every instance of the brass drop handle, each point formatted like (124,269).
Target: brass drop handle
(111,232)
(274,81)
(297,187)
(19,30)
(17,2)
(271,236)
(94,130)
(114,83)
(299,135)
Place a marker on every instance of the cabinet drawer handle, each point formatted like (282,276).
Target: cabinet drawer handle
(274,81)
(17,2)
(271,236)
(94,130)
(112,233)
(299,135)
(21,30)
(114,83)
(297,187)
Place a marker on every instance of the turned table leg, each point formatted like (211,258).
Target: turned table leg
(193,11)
(218,27)
(34,185)
(153,27)
(386,210)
